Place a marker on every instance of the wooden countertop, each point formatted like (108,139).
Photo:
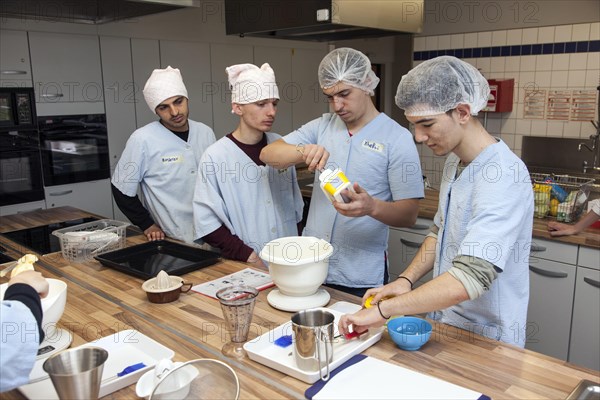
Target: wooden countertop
(428,207)
(110,301)
(590,237)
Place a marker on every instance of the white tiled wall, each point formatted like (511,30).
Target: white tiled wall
(557,71)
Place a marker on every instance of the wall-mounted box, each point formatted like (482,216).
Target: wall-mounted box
(501,95)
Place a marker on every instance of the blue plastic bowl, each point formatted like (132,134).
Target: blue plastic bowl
(409,333)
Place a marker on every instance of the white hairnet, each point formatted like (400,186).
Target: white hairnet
(439,85)
(250,84)
(163,84)
(349,66)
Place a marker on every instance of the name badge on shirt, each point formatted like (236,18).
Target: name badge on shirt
(374,146)
(171,159)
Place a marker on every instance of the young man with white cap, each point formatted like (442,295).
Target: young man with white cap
(162,159)
(371,149)
(241,204)
(479,244)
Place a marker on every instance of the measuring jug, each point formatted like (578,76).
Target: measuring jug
(313,340)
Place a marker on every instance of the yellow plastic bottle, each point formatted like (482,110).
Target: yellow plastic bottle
(333,183)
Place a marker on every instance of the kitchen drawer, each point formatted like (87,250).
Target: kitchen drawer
(22,208)
(420,227)
(94,196)
(554,251)
(402,247)
(589,257)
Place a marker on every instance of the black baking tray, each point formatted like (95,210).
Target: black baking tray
(148,259)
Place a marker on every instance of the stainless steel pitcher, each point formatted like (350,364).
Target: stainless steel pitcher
(313,340)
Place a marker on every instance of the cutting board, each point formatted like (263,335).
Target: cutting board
(363,377)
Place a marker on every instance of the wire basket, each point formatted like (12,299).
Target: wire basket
(82,242)
(561,196)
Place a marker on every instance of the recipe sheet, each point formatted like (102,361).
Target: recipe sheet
(247,277)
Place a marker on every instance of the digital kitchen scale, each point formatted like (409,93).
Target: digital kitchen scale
(58,340)
(284,302)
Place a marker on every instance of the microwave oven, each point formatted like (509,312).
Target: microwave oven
(17,109)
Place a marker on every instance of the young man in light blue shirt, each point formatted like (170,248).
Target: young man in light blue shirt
(479,246)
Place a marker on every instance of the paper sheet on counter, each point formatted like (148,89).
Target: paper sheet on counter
(247,277)
(364,377)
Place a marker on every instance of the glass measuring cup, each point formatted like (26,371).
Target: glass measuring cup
(237,304)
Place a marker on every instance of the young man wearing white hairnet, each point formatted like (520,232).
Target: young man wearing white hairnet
(375,152)
(162,159)
(241,204)
(479,244)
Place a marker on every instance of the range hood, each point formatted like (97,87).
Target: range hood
(322,20)
(87,11)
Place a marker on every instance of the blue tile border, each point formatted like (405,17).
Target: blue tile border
(589,46)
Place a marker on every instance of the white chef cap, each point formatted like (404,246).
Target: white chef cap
(439,85)
(250,84)
(348,66)
(163,84)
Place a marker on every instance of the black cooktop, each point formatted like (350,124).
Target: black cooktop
(40,238)
(3,257)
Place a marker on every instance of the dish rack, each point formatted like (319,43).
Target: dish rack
(561,196)
(82,242)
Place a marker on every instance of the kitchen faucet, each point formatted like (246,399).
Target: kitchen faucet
(595,145)
(595,148)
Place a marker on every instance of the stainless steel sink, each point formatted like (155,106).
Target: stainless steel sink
(585,390)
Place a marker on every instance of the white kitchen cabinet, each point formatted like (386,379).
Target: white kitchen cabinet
(119,99)
(66,69)
(585,330)
(403,245)
(94,196)
(145,56)
(221,57)
(193,60)
(589,257)
(308,99)
(22,208)
(280,59)
(554,251)
(552,286)
(119,94)
(15,65)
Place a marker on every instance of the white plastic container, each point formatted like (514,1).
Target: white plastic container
(333,183)
(297,264)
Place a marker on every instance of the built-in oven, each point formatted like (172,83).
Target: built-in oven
(20,168)
(74,148)
(17,109)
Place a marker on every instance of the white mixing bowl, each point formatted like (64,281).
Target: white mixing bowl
(53,304)
(297,264)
